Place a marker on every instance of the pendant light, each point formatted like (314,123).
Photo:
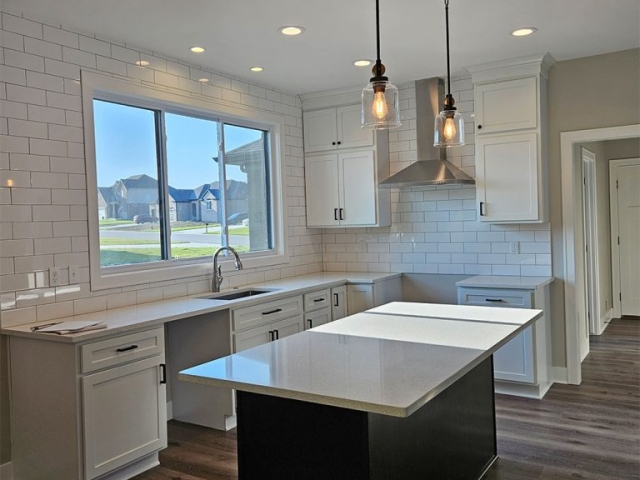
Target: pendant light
(449,124)
(380,104)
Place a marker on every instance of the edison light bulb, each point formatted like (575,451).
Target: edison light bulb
(379,108)
(449,130)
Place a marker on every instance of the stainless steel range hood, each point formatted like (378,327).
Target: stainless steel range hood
(432,167)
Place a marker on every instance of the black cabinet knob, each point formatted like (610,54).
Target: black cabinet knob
(479,127)
(339,143)
(333,143)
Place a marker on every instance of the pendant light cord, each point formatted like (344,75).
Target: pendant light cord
(378,37)
(446,13)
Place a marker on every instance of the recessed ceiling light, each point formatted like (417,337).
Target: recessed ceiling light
(291,30)
(142,63)
(523,32)
(203,80)
(256,69)
(362,63)
(197,49)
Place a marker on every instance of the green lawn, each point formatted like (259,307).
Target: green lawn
(233,231)
(141,255)
(112,221)
(131,241)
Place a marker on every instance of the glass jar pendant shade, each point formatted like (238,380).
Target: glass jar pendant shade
(449,124)
(380,103)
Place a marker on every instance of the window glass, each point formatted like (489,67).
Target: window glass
(193,176)
(247,193)
(182,197)
(129,207)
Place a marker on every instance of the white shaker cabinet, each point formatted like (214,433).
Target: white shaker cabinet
(365,296)
(338,302)
(507,178)
(523,365)
(335,128)
(511,145)
(342,190)
(105,409)
(343,164)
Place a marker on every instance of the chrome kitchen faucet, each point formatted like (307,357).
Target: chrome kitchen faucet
(217,269)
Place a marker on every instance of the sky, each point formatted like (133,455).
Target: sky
(126,146)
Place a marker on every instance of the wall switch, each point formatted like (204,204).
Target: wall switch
(74,274)
(514,247)
(54,276)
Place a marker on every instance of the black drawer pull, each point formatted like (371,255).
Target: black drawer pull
(126,349)
(335,297)
(271,336)
(310,322)
(270,312)
(319,300)
(342,214)
(163,373)
(481,209)
(276,334)
(335,214)
(493,300)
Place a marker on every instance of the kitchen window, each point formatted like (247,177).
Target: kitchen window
(173,183)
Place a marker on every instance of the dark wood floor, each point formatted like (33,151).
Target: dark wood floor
(591,431)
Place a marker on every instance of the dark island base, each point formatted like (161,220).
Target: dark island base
(452,437)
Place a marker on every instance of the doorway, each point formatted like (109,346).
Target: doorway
(573,237)
(625,234)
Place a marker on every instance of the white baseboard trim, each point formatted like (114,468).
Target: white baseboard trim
(6,471)
(606,320)
(560,375)
(537,391)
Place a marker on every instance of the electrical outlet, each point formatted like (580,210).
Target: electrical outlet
(74,275)
(54,276)
(514,247)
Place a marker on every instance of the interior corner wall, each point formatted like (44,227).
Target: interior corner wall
(584,93)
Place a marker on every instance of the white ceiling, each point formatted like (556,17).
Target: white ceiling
(239,34)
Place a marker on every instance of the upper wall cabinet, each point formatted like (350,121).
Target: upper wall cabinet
(511,146)
(507,105)
(335,128)
(343,164)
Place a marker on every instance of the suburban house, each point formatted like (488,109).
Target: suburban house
(431,273)
(138,195)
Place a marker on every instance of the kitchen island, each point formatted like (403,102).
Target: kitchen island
(371,396)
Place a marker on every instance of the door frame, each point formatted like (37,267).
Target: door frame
(615,232)
(573,238)
(590,228)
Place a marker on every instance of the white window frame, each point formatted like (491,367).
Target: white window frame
(109,88)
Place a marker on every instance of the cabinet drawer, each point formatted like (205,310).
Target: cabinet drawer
(315,319)
(495,298)
(317,300)
(266,312)
(121,350)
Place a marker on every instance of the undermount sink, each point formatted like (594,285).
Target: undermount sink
(252,292)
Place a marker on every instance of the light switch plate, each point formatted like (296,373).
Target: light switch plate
(514,247)
(74,275)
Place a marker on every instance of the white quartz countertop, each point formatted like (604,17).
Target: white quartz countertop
(381,363)
(148,315)
(516,316)
(497,281)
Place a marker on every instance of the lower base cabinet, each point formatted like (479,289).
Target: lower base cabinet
(267,333)
(364,296)
(85,411)
(523,365)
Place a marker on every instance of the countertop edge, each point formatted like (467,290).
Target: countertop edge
(505,282)
(190,306)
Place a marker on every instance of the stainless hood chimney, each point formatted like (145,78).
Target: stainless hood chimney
(432,167)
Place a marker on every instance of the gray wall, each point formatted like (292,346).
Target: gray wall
(585,93)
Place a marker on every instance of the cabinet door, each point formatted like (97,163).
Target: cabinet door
(350,132)
(505,106)
(320,130)
(323,199)
(338,302)
(507,178)
(124,415)
(252,338)
(358,188)
(315,319)
(514,360)
(287,327)
(360,298)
